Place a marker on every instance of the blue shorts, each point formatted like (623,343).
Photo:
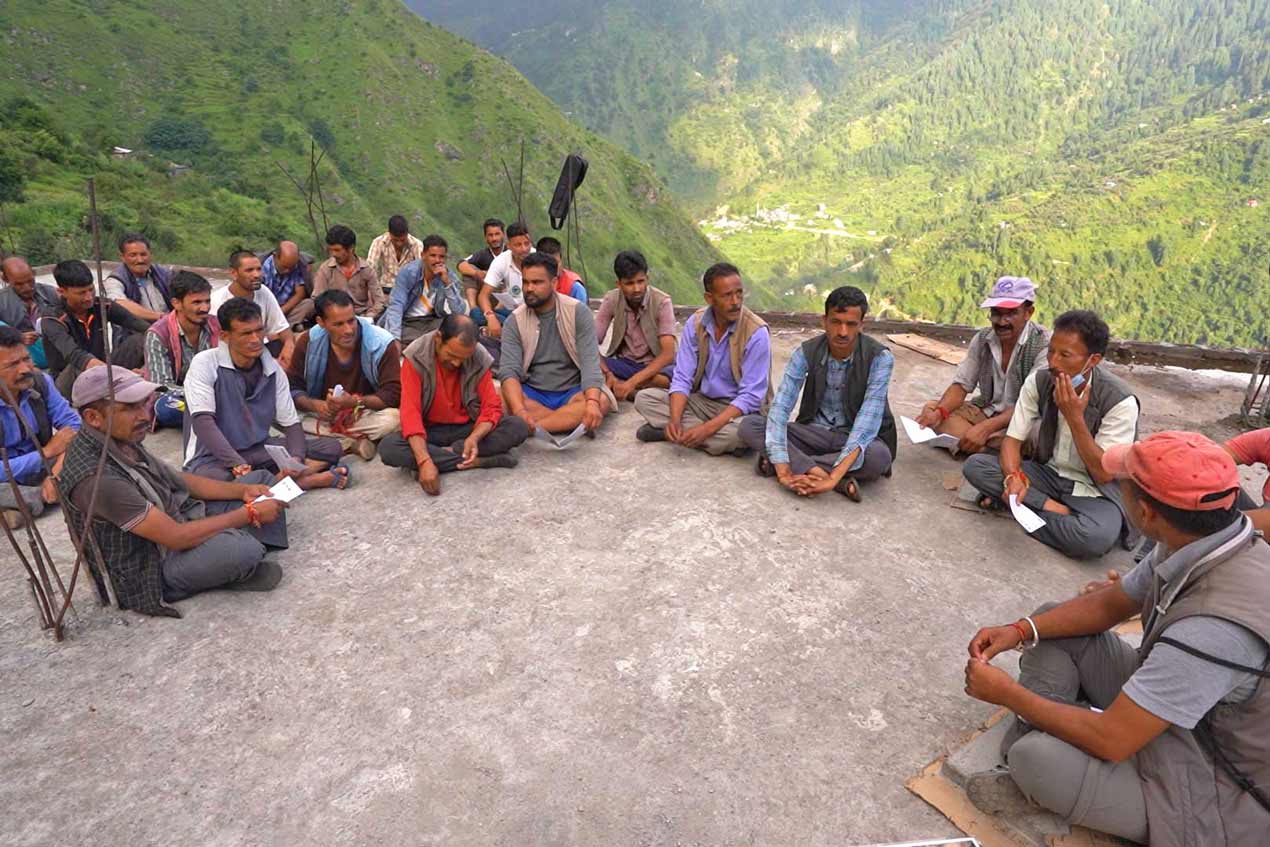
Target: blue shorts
(551,399)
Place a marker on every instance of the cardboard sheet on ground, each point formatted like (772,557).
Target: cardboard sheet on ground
(919,434)
(284,460)
(284,489)
(1029,520)
(559,441)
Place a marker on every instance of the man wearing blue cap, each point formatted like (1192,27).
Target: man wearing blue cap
(1000,358)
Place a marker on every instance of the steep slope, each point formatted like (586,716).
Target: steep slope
(411,119)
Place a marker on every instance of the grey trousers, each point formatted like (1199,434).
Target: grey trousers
(395,450)
(415,328)
(1083,789)
(231,555)
(30,494)
(1091,530)
(128,352)
(816,446)
(654,405)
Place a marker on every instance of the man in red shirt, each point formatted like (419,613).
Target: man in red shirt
(451,415)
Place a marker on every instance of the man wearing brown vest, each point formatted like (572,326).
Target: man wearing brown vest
(722,373)
(1170,743)
(641,353)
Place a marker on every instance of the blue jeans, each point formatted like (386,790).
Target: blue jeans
(169,410)
(478,316)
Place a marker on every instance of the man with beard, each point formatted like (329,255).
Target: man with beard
(504,277)
(641,353)
(139,285)
(844,433)
(722,373)
(175,339)
(23,302)
(550,365)
(1070,412)
(37,425)
(1000,358)
(163,535)
(247,281)
(234,393)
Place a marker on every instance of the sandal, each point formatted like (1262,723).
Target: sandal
(764,467)
(990,504)
(849,488)
(341,476)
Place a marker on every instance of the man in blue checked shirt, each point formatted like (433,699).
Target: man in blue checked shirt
(843,433)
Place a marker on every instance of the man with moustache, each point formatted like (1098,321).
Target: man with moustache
(641,353)
(722,373)
(175,339)
(475,267)
(246,280)
(844,433)
(138,284)
(163,535)
(285,273)
(424,293)
(37,425)
(23,302)
(1071,412)
(999,359)
(504,276)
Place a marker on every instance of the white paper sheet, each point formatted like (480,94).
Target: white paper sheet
(284,460)
(284,489)
(1029,520)
(505,300)
(919,434)
(559,441)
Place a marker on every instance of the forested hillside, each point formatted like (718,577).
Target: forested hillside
(1118,152)
(406,117)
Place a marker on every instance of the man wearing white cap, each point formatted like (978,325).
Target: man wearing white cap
(1000,358)
(163,535)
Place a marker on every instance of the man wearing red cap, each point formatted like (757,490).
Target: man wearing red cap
(999,359)
(1175,750)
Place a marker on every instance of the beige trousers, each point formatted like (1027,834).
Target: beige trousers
(373,425)
(654,405)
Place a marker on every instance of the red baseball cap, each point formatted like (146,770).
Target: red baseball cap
(1185,470)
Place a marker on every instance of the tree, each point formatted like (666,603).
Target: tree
(1155,246)
(177,134)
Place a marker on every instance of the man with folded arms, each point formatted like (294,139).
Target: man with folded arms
(163,535)
(1170,743)
(451,415)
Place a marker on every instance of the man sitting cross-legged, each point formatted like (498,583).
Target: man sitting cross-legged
(425,292)
(1071,412)
(36,424)
(641,353)
(1175,750)
(451,416)
(550,366)
(999,359)
(285,273)
(163,535)
(74,338)
(346,375)
(175,339)
(844,433)
(722,373)
(246,280)
(233,394)
(24,302)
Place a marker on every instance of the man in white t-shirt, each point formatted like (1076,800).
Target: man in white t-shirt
(245,280)
(503,277)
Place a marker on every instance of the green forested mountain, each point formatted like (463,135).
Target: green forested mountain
(1117,151)
(407,118)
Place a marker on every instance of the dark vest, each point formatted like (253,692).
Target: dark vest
(421,354)
(816,351)
(39,407)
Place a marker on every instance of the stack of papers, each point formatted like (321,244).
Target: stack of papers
(284,460)
(919,434)
(1029,520)
(559,441)
(284,489)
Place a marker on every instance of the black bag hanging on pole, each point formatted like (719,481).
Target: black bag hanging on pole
(571,176)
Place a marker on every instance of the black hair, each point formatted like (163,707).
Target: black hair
(10,338)
(341,235)
(516,229)
(185,283)
(719,270)
(1198,524)
(846,297)
(398,225)
(1093,330)
(489,222)
(72,273)
(236,257)
(550,246)
(628,263)
(458,326)
(237,309)
(330,298)
(435,241)
(132,238)
(541,260)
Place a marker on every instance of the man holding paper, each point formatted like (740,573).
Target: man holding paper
(1000,358)
(163,535)
(1071,412)
(844,433)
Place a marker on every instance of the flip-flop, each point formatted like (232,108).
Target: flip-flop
(340,471)
(849,488)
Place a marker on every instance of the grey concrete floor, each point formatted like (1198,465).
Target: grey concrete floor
(619,644)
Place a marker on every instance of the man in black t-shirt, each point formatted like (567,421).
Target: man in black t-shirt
(475,266)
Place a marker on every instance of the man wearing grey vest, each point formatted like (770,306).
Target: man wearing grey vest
(1168,744)
(844,433)
(1070,412)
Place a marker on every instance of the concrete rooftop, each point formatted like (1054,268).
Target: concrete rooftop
(618,644)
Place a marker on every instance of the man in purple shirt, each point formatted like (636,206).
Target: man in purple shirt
(722,372)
